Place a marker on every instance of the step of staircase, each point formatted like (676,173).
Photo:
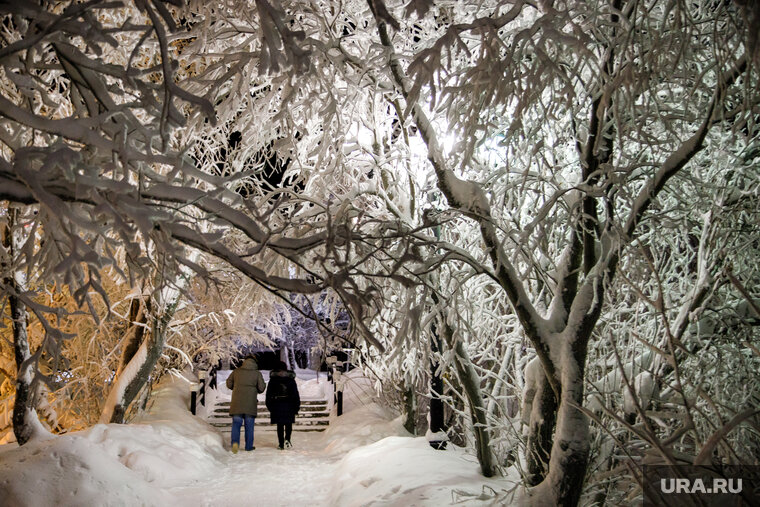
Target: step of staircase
(264,419)
(312,416)
(304,403)
(271,427)
(316,425)
(223,412)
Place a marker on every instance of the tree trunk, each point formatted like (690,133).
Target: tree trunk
(542,418)
(497,390)
(436,389)
(410,410)
(135,374)
(570,452)
(138,319)
(292,357)
(25,421)
(24,414)
(284,352)
(122,394)
(471,383)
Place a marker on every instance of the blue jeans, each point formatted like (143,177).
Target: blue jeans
(237,421)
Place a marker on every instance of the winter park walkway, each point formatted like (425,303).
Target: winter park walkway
(327,468)
(268,477)
(168,457)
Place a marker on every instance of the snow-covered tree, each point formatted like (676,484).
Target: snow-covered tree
(15,241)
(478,182)
(571,125)
(551,132)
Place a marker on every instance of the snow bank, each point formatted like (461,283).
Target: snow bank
(170,410)
(385,465)
(71,470)
(363,421)
(407,471)
(313,388)
(361,426)
(111,464)
(358,390)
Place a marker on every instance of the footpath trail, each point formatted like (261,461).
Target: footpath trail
(267,476)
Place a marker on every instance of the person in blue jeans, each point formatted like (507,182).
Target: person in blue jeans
(246,383)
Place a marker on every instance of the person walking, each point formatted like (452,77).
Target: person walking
(283,402)
(246,383)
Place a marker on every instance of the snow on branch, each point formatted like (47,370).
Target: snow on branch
(678,159)
(279,44)
(465,195)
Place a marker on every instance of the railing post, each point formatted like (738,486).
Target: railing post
(202,375)
(194,396)
(337,377)
(331,360)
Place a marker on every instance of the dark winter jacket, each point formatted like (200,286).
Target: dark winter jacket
(283,400)
(246,382)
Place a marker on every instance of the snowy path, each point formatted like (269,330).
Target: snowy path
(172,458)
(299,476)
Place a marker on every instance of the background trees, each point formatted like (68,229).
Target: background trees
(479,183)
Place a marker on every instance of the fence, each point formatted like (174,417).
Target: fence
(203,397)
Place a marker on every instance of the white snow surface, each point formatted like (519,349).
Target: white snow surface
(169,457)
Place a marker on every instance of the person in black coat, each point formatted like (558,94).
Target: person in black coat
(283,402)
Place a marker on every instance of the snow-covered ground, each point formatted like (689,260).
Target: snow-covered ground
(170,457)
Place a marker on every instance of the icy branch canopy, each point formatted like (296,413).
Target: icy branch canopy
(90,110)
(114,137)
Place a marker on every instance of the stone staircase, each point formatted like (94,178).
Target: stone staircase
(314,415)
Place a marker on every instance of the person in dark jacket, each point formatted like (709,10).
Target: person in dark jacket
(246,382)
(283,402)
